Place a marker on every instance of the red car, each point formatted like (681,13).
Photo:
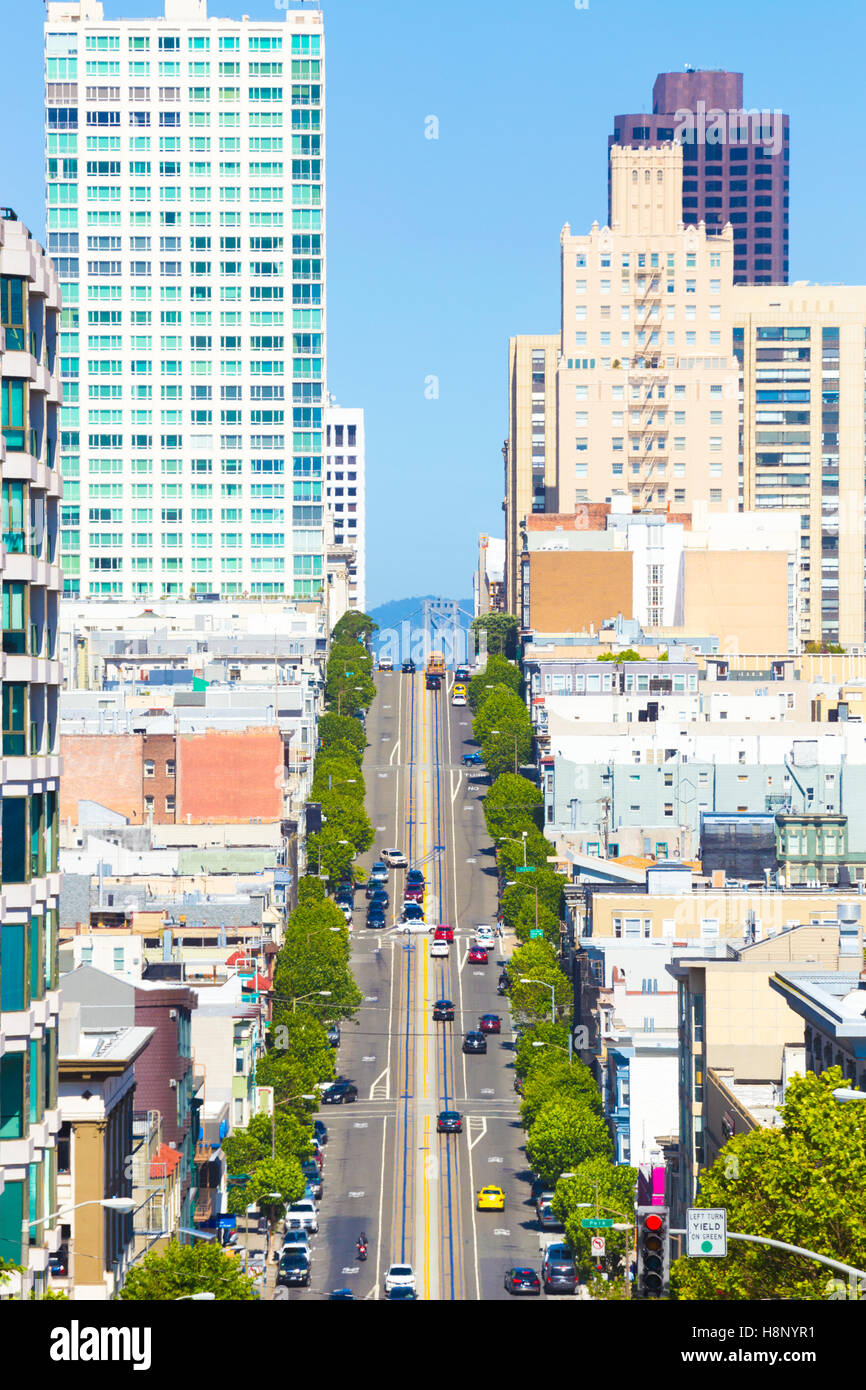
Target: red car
(490,1023)
(477,955)
(443,933)
(413,893)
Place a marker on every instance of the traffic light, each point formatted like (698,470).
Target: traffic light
(653,1258)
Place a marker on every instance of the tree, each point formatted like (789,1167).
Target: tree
(334,772)
(801,1182)
(544,1031)
(353,625)
(565,1134)
(275,1175)
(536,917)
(498,671)
(511,745)
(522,891)
(501,630)
(551,1077)
(628,655)
(291,1079)
(304,1040)
(349,817)
(331,852)
(343,730)
(501,705)
(180,1270)
(314,959)
(531,1002)
(244,1148)
(310,890)
(511,805)
(610,1188)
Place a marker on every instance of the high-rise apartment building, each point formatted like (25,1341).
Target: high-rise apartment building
(185,179)
(29,999)
(345,490)
(735,164)
(802,353)
(530,449)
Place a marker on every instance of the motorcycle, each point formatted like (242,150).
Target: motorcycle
(362,1250)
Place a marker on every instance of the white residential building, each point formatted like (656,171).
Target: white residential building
(185,184)
(345,494)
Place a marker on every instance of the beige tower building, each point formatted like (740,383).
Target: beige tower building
(801,348)
(647,382)
(530,450)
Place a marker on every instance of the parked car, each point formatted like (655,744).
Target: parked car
(558,1271)
(294,1269)
(297,1239)
(399,1277)
(310,1170)
(340,1093)
(443,1011)
(490,1023)
(303,1214)
(474,1041)
(473,759)
(333,1035)
(449,1122)
(321,1132)
(522,1281)
(546,1219)
(394,858)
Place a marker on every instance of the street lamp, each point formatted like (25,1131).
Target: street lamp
(532,980)
(504,839)
(846,1093)
(287,1101)
(121,1204)
(559,1047)
(195,1297)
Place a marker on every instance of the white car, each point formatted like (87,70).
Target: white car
(485,936)
(295,1240)
(304,1215)
(395,858)
(399,1277)
(385,663)
(439,948)
(408,928)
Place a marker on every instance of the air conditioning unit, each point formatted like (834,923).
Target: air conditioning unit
(173,1083)
(172,1013)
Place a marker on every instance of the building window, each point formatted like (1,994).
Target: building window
(148,767)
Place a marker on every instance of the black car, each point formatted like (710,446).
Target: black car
(402,1295)
(415,876)
(443,1011)
(380,896)
(58,1264)
(340,1295)
(522,1281)
(321,1132)
(345,897)
(449,1122)
(433,682)
(294,1268)
(462,674)
(310,1170)
(339,1093)
(413,912)
(376,922)
(333,1035)
(409,668)
(474,1041)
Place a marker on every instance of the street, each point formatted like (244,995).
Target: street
(387,1172)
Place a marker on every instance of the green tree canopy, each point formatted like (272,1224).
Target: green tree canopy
(500,705)
(350,819)
(332,850)
(629,655)
(497,672)
(292,1078)
(353,625)
(526,1055)
(511,805)
(516,897)
(501,630)
(303,1038)
(610,1189)
(801,1182)
(311,890)
(244,1148)
(314,959)
(537,917)
(180,1270)
(566,1132)
(342,730)
(551,1078)
(272,1183)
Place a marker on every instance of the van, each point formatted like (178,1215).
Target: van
(558,1273)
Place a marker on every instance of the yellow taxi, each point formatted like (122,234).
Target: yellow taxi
(491,1199)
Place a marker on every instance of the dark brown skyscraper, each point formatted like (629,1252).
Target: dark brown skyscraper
(735,164)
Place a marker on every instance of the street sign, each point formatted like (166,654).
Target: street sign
(597,1246)
(592,1223)
(536,931)
(707,1232)
(529,869)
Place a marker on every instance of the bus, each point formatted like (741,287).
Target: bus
(458,694)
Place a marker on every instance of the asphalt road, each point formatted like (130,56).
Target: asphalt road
(387,1172)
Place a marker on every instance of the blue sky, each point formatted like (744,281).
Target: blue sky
(440,249)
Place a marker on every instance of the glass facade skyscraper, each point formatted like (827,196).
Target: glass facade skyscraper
(185,190)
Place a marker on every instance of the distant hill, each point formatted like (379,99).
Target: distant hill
(398,610)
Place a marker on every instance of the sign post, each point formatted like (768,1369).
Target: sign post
(707,1232)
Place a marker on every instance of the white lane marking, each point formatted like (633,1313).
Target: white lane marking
(359,1124)
(470,861)
(477,1119)
(371,998)
(381,1198)
(488,1091)
(380,775)
(368,1059)
(386,706)
(363,1194)
(383,1076)
(490,1160)
(457,787)
(351,1269)
(394,752)
(501,1231)
(381,827)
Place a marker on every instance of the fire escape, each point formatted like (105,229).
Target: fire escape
(649,432)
